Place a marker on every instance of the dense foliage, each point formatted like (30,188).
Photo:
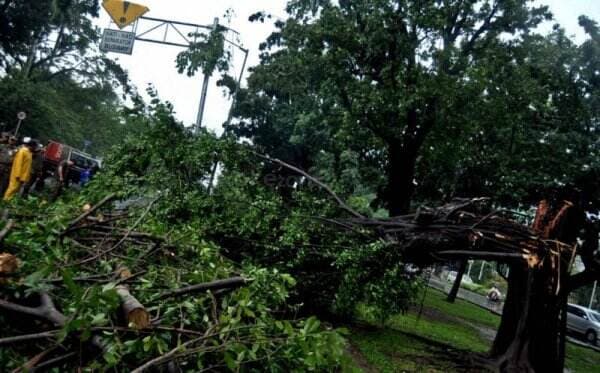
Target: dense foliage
(160,179)
(52,70)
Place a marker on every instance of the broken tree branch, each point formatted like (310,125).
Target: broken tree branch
(28,337)
(123,239)
(325,187)
(233,282)
(134,311)
(89,212)
(47,311)
(6,230)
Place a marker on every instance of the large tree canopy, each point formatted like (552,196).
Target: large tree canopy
(376,77)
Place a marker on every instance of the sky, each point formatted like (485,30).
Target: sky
(154,63)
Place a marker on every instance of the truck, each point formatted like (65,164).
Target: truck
(57,152)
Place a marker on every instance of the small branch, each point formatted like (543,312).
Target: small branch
(166,357)
(89,212)
(28,337)
(6,230)
(51,362)
(233,282)
(31,363)
(123,239)
(480,255)
(343,205)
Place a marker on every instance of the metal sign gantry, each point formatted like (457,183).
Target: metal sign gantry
(182,35)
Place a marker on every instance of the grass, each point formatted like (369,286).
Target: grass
(435,299)
(581,359)
(440,340)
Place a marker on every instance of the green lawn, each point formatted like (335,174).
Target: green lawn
(440,340)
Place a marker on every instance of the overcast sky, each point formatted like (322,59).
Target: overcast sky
(152,63)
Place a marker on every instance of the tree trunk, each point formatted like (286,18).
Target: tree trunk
(533,316)
(400,175)
(456,286)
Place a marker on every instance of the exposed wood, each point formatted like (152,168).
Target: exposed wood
(134,311)
(8,266)
(233,282)
(89,212)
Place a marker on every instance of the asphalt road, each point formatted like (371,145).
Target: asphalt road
(481,301)
(467,295)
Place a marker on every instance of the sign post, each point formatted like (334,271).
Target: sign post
(124,13)
(117,41)
(21,116)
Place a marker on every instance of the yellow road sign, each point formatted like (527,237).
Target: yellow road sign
(124,13)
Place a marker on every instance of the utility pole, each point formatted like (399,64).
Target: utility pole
(593,295)
(204,91)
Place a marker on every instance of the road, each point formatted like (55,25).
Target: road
(482,301)
(469,296)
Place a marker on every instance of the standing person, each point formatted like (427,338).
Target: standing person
(20,172)
(62,174)
(6,157)
(37,171)
(86,174)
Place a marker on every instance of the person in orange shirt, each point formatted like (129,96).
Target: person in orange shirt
(20,172)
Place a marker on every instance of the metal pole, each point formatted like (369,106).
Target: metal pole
(593,295)
(18,127)
(237,87)
(229,117)
(204,91)
(470,266)
(481,270)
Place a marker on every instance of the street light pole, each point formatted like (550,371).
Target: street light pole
(204,91)
(593,295)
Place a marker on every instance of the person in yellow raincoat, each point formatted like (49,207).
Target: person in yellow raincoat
(20,172)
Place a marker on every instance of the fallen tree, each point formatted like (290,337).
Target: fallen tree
(99,291)
(532,333)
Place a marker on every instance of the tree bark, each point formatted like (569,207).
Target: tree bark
(400,175)
(135,313)
(456,286)
(531,332)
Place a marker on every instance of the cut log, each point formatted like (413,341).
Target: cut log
(8,265)
(135,312)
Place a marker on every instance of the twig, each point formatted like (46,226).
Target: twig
(6,230)
(53,361)
(214,285)
(89,212)
(166,357)
(324,186)
(31,363)
(116,246)
(28,337)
